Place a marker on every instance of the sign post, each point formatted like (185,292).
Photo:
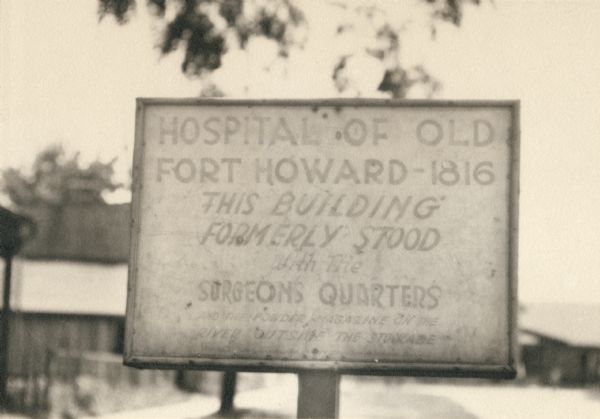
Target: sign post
(227,392)
(324,237)
(318,394)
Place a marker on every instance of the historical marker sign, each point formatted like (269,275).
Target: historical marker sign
(364,236)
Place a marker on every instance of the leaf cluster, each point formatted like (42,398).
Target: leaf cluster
(203,28)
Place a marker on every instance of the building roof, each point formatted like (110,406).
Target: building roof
(93,232)
(573,324)
(75,263)
(64,287)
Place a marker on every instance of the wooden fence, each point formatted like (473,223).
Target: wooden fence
(66,367)
(30,393)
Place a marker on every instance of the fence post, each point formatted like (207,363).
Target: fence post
(48,378)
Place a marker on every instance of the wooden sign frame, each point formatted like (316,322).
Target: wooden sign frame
(346,366)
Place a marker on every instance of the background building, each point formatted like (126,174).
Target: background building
(560,343)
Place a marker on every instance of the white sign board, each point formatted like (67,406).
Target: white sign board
(361,236)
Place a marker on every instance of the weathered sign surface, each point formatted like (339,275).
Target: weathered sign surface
(365,236)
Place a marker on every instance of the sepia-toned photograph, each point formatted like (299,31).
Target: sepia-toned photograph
(299,209)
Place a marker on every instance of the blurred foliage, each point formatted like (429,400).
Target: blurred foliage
(398,79)
(203,28)
(210,89)
(58,179)
(450,10)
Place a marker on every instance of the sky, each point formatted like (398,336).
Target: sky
(65,77)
